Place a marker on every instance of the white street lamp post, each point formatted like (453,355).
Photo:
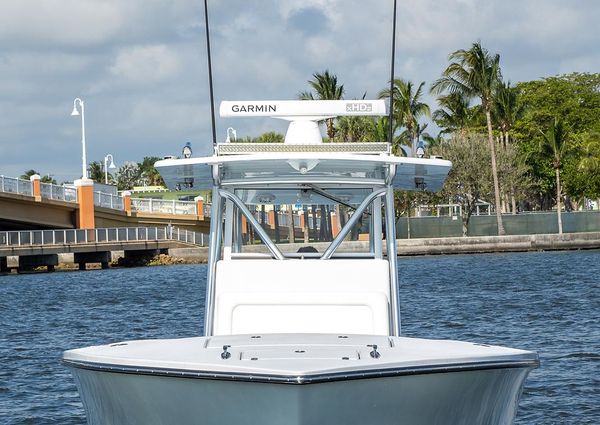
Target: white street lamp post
(111,166)
(75,113)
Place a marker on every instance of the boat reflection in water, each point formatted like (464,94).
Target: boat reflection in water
(309,335)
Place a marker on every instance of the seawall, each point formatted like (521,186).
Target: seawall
(441,246)
(490,244)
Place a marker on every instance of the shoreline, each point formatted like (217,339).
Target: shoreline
(442,246)
(498,244)
(405,247)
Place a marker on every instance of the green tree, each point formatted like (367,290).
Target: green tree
(508,109)
(96,171)
(513,173)
(554,146)
(356,129)
(128,175)
(576,99)
(48,179)
(417,133)
(573,97)
(433,142)
(589,163)
(454,114)
(325,86)
(148,174)
(468,182)
(408,107)
(476,73)
(27,174)
(270,137)
(44,179)
(367,129)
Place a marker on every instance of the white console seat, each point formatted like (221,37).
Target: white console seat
(302,296)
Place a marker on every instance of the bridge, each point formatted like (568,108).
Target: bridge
(31,205)
(35,248)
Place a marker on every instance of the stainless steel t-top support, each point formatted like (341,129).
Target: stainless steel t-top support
(261,232)
(214,252)
(350,224)
(390,237)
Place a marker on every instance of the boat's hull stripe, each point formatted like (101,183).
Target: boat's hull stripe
(301,379)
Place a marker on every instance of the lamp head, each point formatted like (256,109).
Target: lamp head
(233,132)
(75,111)
(112,165)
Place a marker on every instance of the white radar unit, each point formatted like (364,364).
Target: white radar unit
(304,115)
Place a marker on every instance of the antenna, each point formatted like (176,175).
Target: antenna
(392,77)
(210,79)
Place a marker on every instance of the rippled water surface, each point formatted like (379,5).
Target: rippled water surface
(548,302)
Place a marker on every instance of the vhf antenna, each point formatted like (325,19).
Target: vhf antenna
(391,119)
(210,78)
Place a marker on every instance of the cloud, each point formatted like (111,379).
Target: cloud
(146,64)
(73,23)
(141,65)
(309,21)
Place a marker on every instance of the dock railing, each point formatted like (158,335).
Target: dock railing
(164,206)
(15,185)
(108,200)
(58,193)
(23,238)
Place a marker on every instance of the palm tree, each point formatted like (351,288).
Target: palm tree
(416,133)
(454,115)
(507,109)
(554,145)
(381,129)
(434,142)
(269,137)
(408,107)
(96,172)
(149,174)
(44,179)
(476,73)
(356,129)
(27,174)
(590,162)
(326,87)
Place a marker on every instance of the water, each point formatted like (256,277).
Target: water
(548,302)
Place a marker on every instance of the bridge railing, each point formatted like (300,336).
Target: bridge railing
(14,185)
(163,206)
(108,200)
(23,238)
(58,193)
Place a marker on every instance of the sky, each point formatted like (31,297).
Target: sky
(140,65)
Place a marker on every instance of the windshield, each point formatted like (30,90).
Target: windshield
(303,220)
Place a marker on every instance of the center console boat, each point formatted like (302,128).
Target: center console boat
(306,332)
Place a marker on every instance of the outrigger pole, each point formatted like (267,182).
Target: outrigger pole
(210,79)
(392,77)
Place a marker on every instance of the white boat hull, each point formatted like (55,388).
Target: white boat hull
(466,397)
(121,391)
